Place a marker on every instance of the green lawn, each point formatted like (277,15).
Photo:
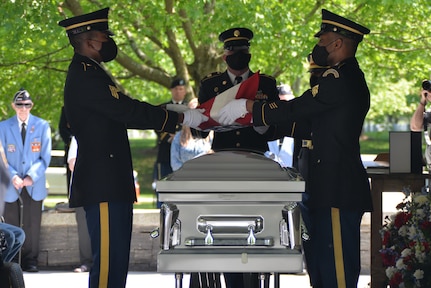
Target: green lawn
(144,155)
(375,142)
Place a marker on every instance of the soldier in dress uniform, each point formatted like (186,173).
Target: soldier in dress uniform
(337,187)
(99,115)
(237,56)
(236,44)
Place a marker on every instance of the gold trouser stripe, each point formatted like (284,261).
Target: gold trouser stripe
(104,244)
(338,247)
(159,171)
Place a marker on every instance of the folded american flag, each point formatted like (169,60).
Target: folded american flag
(246,89)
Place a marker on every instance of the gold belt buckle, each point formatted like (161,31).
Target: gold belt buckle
(307,144)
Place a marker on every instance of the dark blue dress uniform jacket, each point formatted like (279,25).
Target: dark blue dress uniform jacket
(99,115)
(243,138)
(336,108)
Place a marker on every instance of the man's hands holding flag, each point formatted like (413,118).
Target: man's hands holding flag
(194,117)
(233,110)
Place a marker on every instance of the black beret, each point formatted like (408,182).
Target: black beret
(97,20)
(21,95)
(236,38)
(178,82)
(335,23)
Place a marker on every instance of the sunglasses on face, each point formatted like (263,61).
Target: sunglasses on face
(22,105)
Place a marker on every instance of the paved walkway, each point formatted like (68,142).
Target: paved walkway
(65,279)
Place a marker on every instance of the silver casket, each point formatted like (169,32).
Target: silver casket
(230,211)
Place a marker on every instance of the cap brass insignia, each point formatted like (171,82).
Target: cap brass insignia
(236,33)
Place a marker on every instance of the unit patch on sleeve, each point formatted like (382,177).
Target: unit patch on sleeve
(114,91)
(331,71)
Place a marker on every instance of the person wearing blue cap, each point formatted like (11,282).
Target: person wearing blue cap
(99,114)
(337,189)
(27,142)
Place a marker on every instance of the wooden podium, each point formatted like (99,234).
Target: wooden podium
(386,182)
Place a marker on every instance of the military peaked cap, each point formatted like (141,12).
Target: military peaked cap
(236,38)
(97,20)
(334,23)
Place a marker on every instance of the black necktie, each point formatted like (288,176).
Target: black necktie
(238,79)
(23,132)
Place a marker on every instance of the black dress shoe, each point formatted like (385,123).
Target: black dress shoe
(31,268)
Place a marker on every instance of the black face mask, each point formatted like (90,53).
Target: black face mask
(238,61)
(109,50)
(320,55)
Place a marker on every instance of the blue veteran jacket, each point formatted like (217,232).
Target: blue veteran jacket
(244,138)
(99,115)
(30,159)
(333,110)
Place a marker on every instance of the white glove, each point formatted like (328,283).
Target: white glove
(194,117)
(231,111)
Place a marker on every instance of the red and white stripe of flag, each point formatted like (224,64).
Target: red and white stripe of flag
(246,89)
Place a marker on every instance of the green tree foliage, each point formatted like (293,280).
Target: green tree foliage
(161,39)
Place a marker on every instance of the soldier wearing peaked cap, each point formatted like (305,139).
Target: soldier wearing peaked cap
(99,115)
(337,189)
(236,44)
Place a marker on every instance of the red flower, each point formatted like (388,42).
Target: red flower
(389,259)
(401,218)
(386,238)
(426,226)
(396,280)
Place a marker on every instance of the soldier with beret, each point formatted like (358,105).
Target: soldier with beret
(236,44)
(99,115)
(162,167)
(337,188)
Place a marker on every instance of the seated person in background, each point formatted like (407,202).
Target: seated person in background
(186,146)
(14,238)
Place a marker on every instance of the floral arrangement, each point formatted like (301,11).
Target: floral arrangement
(406,239)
